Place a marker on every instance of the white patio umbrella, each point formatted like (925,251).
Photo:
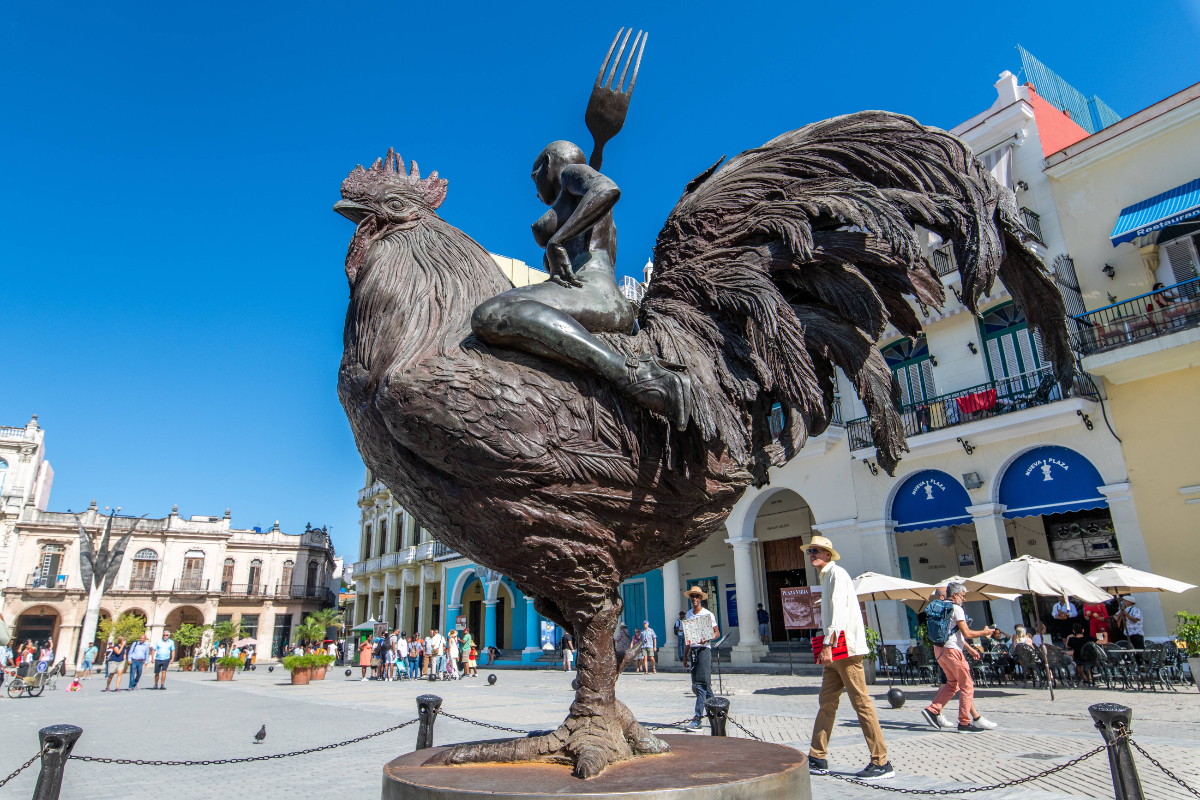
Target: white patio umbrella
(1120,579)
(976,594)
(885,587)
(1037,576)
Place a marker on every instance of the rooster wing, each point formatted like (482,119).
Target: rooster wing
(792,258)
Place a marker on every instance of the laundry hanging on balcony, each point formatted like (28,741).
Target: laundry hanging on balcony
(1158,212)
(1050,480)
(930,499)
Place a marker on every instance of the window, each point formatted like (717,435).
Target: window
(282,635)
(1181,253)
(3,472)
(47,573)
(285,580)
(227,575)
(311,582)
(366,549)
(1013,355)
(250,625)
(909,361)
(254,577)
(145,565)
(398,527)
(193,570)
(383,536)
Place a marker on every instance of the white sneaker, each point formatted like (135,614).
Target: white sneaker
(366,679)
(945,723)
(981,724)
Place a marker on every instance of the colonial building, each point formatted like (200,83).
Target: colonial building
(198,570)
(25,480)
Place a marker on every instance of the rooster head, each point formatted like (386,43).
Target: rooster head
(385,199)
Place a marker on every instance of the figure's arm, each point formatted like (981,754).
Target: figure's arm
(597,196)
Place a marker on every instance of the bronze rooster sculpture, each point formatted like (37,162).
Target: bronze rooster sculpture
(772,269)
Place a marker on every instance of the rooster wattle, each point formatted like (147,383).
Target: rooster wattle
(774,268)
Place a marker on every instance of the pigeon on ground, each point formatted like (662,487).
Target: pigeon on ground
(262,734)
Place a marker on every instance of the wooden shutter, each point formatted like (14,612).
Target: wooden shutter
(1183,263)
(784,554)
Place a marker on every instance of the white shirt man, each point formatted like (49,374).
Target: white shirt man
(701,653)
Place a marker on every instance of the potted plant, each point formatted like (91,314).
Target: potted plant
(301,668)
(201,664)
(187,636)
(873,645)
(227,666)
(185,664)
(1187,633)
(320,664)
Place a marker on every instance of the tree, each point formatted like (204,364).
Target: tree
(98,569)
(129,625)
(189,635)
(228,632)
(311,630)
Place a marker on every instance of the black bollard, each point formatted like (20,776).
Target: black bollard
(58,740)
(895,696)
(717,710)
(428,706)
(1113,720)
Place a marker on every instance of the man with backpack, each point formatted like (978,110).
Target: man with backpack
(946,625)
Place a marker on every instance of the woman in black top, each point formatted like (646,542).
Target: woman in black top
(1074,645)
(116,659)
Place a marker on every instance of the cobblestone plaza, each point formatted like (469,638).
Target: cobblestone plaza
(198,718)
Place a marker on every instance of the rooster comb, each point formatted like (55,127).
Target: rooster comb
(389,172)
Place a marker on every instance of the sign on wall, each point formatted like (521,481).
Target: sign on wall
(799,607)
(731,604)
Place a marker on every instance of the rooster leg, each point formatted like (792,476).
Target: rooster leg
(600,730)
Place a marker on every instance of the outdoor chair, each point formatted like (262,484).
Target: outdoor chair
(1124,665)
(979,670)
(1153,669)
(893,663)
(1058,666)
(1031,665)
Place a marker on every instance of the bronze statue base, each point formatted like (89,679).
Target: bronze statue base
(698,768)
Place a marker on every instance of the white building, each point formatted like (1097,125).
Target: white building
(25,480)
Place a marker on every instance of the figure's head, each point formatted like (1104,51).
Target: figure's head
(821,552)
(696,595)
(956,592)
(548,167)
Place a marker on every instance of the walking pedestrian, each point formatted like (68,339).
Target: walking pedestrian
(840,650)
(138,654)
(764,625)
(364,656)
(568,649)
(164,653)
(649,644)
(114,664)
(679,637)
(466,642)
(701,654)
(952,659)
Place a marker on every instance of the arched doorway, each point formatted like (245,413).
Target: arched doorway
(184,615)
(782,522)
(37,625)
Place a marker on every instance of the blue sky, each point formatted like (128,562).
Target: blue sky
(171,280)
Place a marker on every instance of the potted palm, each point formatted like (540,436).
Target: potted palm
(228,632)
(1187,633)
(301,668)
(227,666)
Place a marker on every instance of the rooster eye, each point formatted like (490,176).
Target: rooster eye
(396,203)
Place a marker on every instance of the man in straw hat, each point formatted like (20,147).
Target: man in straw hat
(843,649)
(701,654)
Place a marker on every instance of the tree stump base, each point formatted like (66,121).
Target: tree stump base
(699,767)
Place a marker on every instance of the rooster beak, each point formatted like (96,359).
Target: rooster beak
(355,212)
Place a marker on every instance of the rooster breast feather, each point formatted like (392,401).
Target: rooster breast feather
(793,258)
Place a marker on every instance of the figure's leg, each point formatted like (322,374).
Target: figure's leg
(515,321)
(831,694)
(855,682)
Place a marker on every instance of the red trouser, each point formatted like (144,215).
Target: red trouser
(958,679)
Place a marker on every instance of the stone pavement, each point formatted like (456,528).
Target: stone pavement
(198,718)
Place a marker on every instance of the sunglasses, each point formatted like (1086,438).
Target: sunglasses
(812,551)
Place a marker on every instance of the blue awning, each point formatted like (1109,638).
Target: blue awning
(930,499)
(1168,208)
(1050,480)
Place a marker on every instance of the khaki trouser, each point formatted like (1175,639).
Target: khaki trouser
(847,673)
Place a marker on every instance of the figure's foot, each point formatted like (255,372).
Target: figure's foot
(659,386)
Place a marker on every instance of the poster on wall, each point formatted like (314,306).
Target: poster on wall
(460,622)
(731,604)
(548,641)
(966,560)
(799,607)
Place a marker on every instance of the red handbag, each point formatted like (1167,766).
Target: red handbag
(839,649)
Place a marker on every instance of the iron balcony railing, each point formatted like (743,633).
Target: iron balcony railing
(1148,316)
(245,589)
(189,585)
(141,584)
(1033,222)
(986,400)
(46,582)
(943,260)
(441,550)
(301,591)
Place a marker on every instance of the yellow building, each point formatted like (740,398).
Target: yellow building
(1128,200)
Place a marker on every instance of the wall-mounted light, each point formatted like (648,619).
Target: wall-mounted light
(1023,186)
(972,346)
(1109,271)
(933,360)
(972,480)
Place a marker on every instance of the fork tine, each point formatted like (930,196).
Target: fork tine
(628,61)
(617,63)
(604,66)
(637,65)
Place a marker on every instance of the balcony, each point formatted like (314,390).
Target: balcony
(1149,316)
(141,584)
(1033,222)
(943,261)
(189,585)
(243,589)
(37,581)
(7,432)
(443,552)
(303,592)
(986,401)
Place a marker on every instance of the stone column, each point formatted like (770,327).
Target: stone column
(993,551)
(672,605)
(533,633)
(452,613)
(489,623)
(400,623)
(386,616)
(749,647)
(1134,554)
(878,540)
(361,602)
(422,603)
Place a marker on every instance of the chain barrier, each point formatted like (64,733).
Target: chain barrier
(1153,761)
(145,763)
(744,730)
(448,715)
(25,766)
(680,725)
